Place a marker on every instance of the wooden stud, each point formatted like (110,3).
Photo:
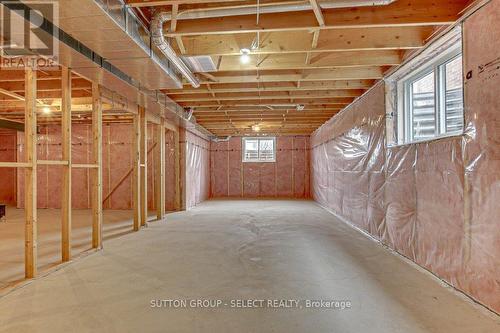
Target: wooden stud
(182,169)
(160,170)
(136,186)
(14,165)
(144,165)
(30,175)
(66,222)
(96,173)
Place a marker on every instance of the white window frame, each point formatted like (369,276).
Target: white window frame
(258,160)
(404,86)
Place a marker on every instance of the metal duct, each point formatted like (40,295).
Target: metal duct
(160,41)
(270,9)
(220,139)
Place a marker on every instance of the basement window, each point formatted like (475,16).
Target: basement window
(428,100)
(259,149)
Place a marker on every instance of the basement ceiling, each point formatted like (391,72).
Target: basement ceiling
(303,66)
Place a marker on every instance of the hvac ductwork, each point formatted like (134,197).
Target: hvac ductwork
(163,45)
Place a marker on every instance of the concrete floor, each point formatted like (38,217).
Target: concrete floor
(239,250)
(116,223)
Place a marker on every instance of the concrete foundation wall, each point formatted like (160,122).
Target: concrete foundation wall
(435,202)
(288,177)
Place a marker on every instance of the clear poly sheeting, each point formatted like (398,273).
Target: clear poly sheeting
(197,175)
(434,202)
(288,177)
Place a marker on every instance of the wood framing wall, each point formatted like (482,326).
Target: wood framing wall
(77,163)
(117,166)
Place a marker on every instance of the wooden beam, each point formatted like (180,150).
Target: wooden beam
(398,14)
(30,176)
(96,173)
(144,165)
(84,166)
(66,170)
(334,40)
(358,73)
(348,59)
(160,170)
(173,26)
(275,87)
(273,102)
(267,95)
(11,94)
(173,21)
(318,13)
(15,165)
(136,183)
(9,124)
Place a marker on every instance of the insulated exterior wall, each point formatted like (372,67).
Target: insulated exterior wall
(482,154)
(117,163)
(288,177)
(8,144)
(196,152)
(435,202)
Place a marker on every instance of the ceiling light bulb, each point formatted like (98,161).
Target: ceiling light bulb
(256,128)
(245,56)
(46,110)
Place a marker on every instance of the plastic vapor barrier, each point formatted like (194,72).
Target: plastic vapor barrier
(434,202)
(288,177)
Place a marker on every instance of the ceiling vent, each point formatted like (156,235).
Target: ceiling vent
(200,64)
